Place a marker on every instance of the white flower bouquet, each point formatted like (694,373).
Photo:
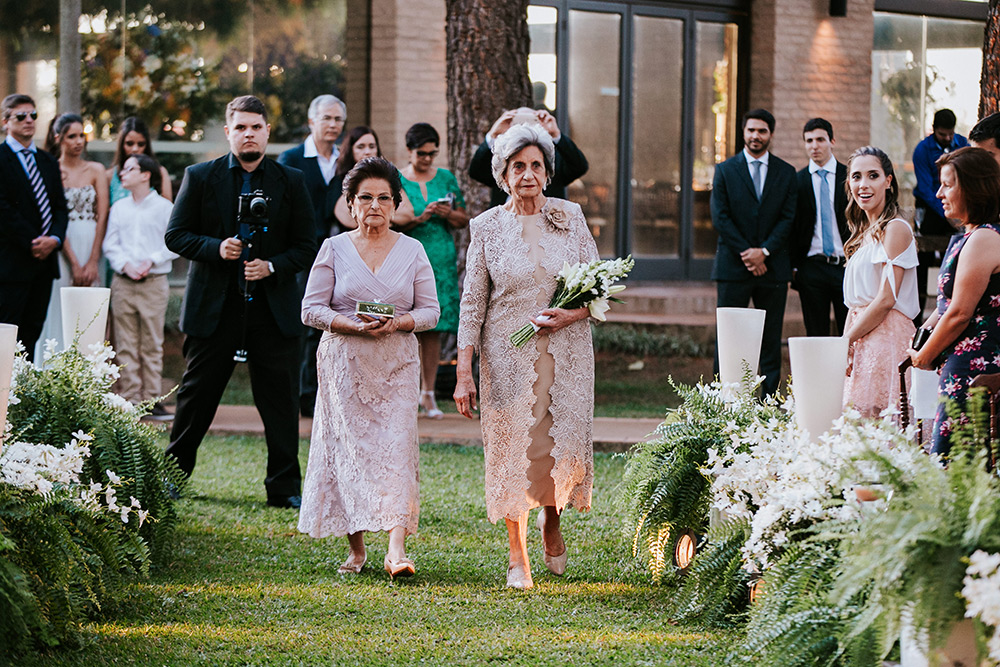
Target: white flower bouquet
(982,593)
(583,285)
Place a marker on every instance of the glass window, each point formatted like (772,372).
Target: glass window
(657,76)
(542,22)
(714,122)
(921,64)
(594,44)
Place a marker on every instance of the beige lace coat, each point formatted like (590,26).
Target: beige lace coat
(498,297)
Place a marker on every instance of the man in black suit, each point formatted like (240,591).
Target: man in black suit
(820,232)
(316,158)
(570,164)
(33,220)
(217,318)
(753,207)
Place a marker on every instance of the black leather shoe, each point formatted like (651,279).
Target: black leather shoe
(285,502)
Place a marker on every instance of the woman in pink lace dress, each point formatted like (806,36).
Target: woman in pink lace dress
(362,472)
(880,283)
(538,400)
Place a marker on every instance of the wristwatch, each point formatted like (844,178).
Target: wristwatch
(765,251)
(270,267)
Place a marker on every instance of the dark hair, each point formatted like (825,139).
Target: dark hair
(857,219)
(132,124)
(147,164)
(346,160)
(247,104)
(420,134)
(818,124)
(759,114)
(978,177)
(944,119)
(57,128)
(987,128)
(373,167)
(15,100)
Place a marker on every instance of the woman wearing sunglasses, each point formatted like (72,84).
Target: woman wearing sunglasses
(439,207)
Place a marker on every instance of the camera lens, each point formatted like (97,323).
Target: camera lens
(258,206)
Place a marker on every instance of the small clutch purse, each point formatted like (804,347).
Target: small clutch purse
(920,337)
(375,309)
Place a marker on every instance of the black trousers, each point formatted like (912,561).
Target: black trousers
(26,304)
(821,287)
(770,297)
(273,362)
(308,382)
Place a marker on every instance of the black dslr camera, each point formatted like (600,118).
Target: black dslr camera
(251,215)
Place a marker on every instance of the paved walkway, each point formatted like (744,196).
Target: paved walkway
(610,435)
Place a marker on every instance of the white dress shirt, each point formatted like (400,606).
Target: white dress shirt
(135,233)
(816,247)
(763,166)
(328,167)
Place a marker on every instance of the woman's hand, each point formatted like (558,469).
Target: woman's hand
(377,327)
(551,320)
(465,393)
(88,274)
(920,359)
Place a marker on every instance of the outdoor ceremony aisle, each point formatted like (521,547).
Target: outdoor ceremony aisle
(245,588)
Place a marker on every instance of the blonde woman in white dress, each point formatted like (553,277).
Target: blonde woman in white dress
(880,283)
(86,187)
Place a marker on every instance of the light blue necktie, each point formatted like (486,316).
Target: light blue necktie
(758,185)
(825,213)
(41,196)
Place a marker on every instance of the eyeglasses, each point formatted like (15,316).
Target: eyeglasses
(335,119)
(427,153)
(366,200)
(21,115)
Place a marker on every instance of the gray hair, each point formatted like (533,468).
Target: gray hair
(323,100)
(513,141)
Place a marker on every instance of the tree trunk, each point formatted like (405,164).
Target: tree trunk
(487,55)
(989,95)
(69,56)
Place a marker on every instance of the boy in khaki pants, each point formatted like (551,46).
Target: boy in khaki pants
(136,251)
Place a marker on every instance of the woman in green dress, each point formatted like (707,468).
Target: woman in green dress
(438,206)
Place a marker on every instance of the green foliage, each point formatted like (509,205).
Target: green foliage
(715,588)
(665,491)
(642,342)
(69,394)
(58,560)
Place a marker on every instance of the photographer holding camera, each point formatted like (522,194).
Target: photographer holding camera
(246,223)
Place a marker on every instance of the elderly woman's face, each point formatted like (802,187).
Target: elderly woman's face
(373,205)
(525,175)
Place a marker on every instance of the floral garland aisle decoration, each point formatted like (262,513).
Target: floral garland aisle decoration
(842,542)
(73,451)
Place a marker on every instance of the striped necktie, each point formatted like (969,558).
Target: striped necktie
(41,196)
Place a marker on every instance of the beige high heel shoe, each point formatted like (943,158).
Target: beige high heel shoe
(352,567)
(519,578)
(404,567)
(555,564)
(429,406)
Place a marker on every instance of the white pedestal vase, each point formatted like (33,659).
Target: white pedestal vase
(84,309)
(8,343)
(819,366)
(923,393)
(739,332)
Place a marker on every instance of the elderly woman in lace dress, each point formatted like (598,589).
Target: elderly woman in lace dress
(362,472)
(537,400)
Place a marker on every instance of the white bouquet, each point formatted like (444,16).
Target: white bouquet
(591,285)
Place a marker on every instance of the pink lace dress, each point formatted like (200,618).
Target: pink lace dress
(873,383)
(537,404)
(362,472)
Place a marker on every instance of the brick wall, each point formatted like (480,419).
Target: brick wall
(805,63)
(407,72)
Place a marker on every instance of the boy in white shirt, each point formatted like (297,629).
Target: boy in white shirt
(137,253)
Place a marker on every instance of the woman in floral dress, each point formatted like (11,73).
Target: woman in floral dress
(967,323)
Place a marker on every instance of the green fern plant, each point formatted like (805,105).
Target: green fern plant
(664,491)
(69,394)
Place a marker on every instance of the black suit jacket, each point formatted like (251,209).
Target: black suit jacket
(205,213)
(323,196)
(21,221)
(744,222)
(805,213)
(570,165)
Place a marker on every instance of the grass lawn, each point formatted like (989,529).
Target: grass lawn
(244,587)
